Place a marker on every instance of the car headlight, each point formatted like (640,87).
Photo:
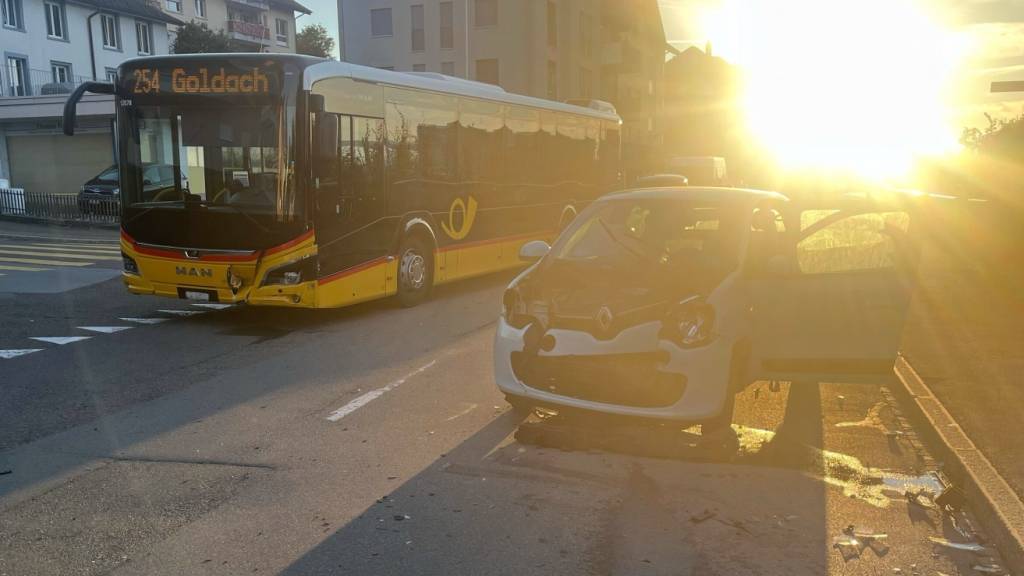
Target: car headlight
(513,308)
(690,323)
(292,273)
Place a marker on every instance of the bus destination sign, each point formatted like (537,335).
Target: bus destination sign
(200,81)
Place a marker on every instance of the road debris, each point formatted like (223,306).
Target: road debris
(988,568)
(968,546)
(5,472)
(705,515)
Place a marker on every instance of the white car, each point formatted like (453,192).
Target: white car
(663,303)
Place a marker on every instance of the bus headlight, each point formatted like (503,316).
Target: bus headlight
(130,265)
(292,273)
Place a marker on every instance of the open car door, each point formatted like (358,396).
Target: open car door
(830,296)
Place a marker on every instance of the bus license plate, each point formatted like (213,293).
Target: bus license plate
(200,296)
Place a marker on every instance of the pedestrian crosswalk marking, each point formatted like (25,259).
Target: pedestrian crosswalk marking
(144,320)
(105,329)
(61,247)
(8,354)
(60,340)
(58,255)
(22,268)
(182,312)
(43,262)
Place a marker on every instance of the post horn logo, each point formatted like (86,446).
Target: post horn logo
(468,211)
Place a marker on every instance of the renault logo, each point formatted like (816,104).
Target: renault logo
(604,318)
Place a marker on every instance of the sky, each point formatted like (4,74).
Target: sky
(993,28)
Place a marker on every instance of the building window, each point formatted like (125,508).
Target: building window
(586,37)
(586,80)
(174,6)
(281,28)
(111,35)
(485,13)
(448,68)
(380,22)
(144,37)
(111,75)
(55,21)
(200,8)
(487,70)
(12,14)
(552,81)
(447,26)
(17,76)
(419,67)
(552,24)
(419,40)
(60,72)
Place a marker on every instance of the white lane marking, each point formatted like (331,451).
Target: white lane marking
(463,413)
(60,340)
(61,248)
(8,354)
(22,268)
(144,320)
(214,306)
(374,394)
(105,329)
(182,312)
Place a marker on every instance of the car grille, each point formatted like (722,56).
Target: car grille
(622,379)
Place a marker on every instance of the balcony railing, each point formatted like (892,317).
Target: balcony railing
(36,83)
(248,30)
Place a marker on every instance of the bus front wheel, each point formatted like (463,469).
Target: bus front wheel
(415,271)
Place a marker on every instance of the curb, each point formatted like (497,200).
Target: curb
(54,222)
(998,508)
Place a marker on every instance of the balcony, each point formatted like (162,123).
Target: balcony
(260,5)
(248,31)
(36,83)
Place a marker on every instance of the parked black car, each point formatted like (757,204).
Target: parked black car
(102,194)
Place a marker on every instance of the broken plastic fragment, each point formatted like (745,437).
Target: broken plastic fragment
(968,546)
(848,546)
(988,568)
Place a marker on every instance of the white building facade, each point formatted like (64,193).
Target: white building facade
(48,48)
(256,25)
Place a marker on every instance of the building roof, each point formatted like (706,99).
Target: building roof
(295,6)
(138,8)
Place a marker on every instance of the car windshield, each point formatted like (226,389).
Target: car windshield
(108,176)
(660,231)
(234,157)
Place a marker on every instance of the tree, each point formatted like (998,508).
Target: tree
(195,38)
(314,40)
(1002,137)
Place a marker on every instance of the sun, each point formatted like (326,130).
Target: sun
(854,86)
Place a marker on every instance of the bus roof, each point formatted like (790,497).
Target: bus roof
(435,82)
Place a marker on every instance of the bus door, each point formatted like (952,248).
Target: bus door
(350,197)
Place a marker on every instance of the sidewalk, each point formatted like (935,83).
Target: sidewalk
(13,229)
(965,338)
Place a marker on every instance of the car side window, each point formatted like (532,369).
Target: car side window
(834,241)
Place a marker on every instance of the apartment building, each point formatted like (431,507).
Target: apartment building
(48,48)
(610,50)
(256,25)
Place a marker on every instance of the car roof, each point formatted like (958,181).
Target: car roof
(702,193)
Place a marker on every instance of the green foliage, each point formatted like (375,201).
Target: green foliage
(195,38)
(1001,137)
(314,40)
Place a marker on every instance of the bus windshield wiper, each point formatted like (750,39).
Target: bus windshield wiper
(248,216)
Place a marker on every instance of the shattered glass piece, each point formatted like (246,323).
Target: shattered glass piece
(968,546)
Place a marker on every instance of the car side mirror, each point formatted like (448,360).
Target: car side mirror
(534,250)
(146,182)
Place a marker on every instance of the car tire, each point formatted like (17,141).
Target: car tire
(415,271)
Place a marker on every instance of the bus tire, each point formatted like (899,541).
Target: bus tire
(415,271)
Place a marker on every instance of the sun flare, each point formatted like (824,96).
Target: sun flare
(858,87)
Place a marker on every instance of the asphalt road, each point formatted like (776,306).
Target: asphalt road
(177,439)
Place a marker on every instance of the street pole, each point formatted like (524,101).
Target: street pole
(466,21)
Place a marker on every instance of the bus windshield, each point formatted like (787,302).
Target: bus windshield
(234,157)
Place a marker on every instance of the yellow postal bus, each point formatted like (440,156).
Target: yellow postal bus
(313,183)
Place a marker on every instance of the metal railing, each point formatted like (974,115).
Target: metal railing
(37,83)
(59,207)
